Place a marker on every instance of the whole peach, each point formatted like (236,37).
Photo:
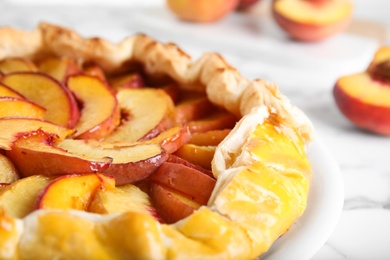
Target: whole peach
(202,10)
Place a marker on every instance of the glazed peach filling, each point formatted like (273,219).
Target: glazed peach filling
(80,138)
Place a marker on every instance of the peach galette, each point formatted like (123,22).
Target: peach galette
(116,151)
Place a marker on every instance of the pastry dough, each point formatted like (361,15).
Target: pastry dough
(263,174)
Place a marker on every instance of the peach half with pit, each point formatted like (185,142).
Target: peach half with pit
(364,97)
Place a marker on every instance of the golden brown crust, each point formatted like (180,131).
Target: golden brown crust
(232,236)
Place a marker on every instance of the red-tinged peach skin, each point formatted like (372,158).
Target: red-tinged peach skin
(12,129)
(8,92)
(172,139)
(131,80)
(364,101)
(18,198)
(16,107)
(129,163)
(195,184)
(312,20)
(16,64)
(100,113)
(145,114)
(59,68)
(35,154)
(197,154)
(176,159)
(192,107)
(79,190)
(173,91)
(171,205)
(201,10)
(61,107)
(95,71)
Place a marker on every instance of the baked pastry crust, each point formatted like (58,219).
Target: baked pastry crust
(256,199)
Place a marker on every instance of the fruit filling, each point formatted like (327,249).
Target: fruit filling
(73,136)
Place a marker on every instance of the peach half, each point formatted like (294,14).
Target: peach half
(312,20)
(364,101)
(364,98)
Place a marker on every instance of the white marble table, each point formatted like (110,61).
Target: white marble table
(305,73)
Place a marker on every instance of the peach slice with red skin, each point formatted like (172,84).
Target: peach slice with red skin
(16,64)
(217,120)
(176,159)
(145,114)
(16,107)
(131,80)
(364,97)
(129,163)
(212,137)
(70,192)
(191,107)
(197,154)
(36,154)
(95,71)
(195,184)
(312,20)
(61,107)
(100,113)
(171,205)
(59,68)
(8,92)
(11,129)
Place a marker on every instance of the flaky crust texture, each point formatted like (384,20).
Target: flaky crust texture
(253,101)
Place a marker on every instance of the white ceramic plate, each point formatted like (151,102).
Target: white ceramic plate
(326,198)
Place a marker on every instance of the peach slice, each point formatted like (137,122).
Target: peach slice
(79,190)
(176,159)
(129,163)
(193,106)
(12,129)
(201,10)
(16,107)
(100,113)
(364,101)
(145,113)
(121,199)
(8,172)
(61,107)
(197,154)
(172,90)
(95,71)
(312,20)
(8,92)
(195,184)
(217,120)
(18,198)
(212,137)
(170,204)
(132,80)
(59,68)
(16,64)
(172,139)
(35,154)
